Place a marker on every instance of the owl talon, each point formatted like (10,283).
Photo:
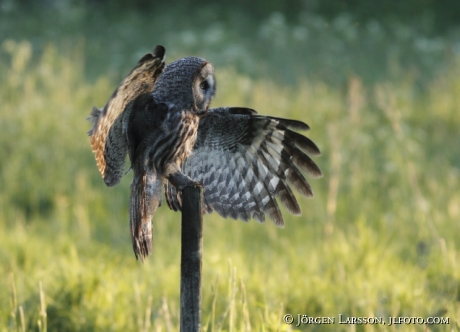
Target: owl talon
(159,115)
(196,184)
(190,184)
(181,181)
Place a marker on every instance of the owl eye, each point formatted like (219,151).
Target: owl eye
(204,85)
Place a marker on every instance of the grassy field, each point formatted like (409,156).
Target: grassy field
(381,238)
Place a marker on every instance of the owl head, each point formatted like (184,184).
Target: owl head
(188,83)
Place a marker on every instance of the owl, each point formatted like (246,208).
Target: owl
(160,117)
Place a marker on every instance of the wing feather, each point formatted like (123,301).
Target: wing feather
(108,139)
(299,158)
(247,162)
(282,189)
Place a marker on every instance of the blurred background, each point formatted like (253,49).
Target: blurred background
(378,83)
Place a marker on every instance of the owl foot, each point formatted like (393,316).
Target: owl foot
(181,181)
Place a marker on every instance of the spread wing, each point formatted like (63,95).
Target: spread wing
(247,162)
(108,134)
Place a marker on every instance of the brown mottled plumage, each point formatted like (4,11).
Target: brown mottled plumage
(161,131)
(153,118)
(107,138)
(246,162)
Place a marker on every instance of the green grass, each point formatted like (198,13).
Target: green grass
(380,238)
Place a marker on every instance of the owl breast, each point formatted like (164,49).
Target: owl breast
(174,142)
(188,130)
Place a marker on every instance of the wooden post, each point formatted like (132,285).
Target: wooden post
(190,266)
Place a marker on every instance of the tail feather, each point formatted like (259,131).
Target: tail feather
(145,199)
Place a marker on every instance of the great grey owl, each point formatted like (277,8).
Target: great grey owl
(160,117)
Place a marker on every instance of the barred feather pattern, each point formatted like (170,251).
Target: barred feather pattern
(159,115)
(145,199)
(160,138)
(153,117)
(108,140)
(247,163)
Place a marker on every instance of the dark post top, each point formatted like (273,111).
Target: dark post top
(191,251)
